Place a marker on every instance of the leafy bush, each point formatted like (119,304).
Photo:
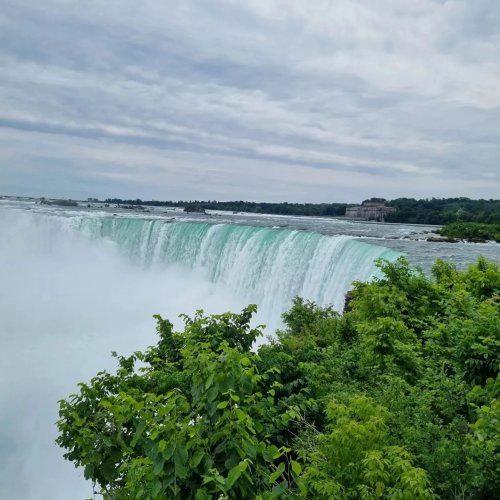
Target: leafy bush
(396,398)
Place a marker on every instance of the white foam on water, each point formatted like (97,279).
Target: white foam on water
(73,289)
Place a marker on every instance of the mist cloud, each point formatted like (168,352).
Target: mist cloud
(65,304)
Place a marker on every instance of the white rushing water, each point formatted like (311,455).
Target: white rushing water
(264,265)
(75,288)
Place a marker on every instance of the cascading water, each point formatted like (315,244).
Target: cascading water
(73,288)
(262,265)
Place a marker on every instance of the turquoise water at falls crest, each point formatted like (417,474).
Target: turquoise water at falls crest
(268,266)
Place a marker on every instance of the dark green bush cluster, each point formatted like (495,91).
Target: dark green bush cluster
(472,231)
(444,211)
(396,398)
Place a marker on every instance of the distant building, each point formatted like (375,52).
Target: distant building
(370,210)
(92,200)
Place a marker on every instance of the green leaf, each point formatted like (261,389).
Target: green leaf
(180,455)
(181,471)
(222,405)
(88,472)
(156,488)
(302,488)
(269,453)
(108,470)
(233,476)
(296,467)
(209,381)
(277,473)
(158,464)
(151,449)
(197,458)
(279,489)
(212,393)
(169,451)
(240,414)
(379,488)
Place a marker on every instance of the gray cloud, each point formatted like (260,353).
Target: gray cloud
(265,99)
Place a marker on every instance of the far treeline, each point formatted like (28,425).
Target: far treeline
(409,210)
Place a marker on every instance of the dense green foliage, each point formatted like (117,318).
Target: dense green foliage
(396,398)
(409,210)
(444,211)
(471,231)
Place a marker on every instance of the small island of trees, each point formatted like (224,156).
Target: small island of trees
(471,231)
(396,398)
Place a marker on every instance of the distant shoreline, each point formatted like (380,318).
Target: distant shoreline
(433,212)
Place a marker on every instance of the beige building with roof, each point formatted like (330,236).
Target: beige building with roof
(370,210)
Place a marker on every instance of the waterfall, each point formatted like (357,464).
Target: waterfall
(76,287)
(268,266)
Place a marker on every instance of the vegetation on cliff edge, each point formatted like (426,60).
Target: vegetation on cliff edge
(396,398)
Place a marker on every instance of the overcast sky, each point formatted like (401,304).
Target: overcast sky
(252,99)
